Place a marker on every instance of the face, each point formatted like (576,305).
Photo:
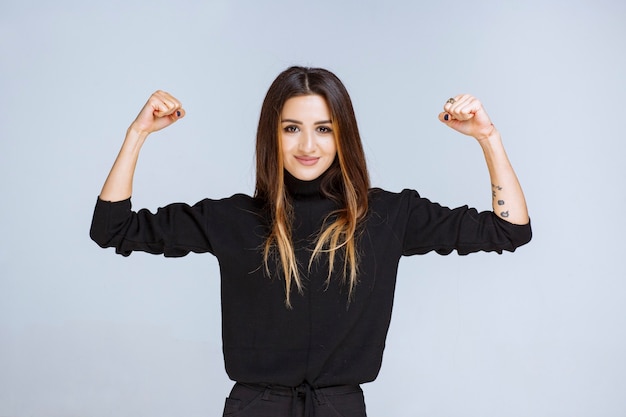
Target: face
(307,137)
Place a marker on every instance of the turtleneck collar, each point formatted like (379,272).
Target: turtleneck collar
(303,189)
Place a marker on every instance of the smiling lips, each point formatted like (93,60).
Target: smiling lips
(307,160)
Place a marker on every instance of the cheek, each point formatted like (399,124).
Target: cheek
(332,148)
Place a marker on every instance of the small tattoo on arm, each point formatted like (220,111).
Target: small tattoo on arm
(500,202)
(494,189)
(504,214)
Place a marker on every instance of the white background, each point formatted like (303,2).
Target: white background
(541,332)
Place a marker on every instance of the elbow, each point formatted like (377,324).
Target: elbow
(521,234)
(99,235)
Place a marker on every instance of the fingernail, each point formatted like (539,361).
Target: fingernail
(446,117)
(178,113)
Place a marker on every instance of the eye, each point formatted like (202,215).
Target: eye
(324,129)
(291,129)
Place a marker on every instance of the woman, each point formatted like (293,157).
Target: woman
(308,265)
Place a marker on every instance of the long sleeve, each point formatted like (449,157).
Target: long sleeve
(173,230)
(325,338)
(432,227)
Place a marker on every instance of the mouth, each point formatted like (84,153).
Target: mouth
(307,160)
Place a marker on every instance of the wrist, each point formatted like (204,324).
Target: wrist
(490,134)
(136,131)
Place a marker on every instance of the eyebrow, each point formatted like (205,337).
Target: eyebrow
(321,122)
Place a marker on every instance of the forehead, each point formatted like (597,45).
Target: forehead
(311,106)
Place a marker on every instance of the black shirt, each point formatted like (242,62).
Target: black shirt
(322,339)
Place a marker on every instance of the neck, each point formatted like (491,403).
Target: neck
(300,188)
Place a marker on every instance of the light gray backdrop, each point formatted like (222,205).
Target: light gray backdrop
(539,333)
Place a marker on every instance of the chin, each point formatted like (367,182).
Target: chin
(304,175)
(307,177)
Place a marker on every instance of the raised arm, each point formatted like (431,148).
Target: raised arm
(160,111)
(464,113)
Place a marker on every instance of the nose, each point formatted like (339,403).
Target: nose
(307,141)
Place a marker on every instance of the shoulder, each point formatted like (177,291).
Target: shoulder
(235,199)
(380,198)
(393,206)
(234,202)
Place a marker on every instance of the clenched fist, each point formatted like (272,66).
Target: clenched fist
(466,114)
(161,110)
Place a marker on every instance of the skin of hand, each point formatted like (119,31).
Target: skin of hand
(466,114)
(160,111)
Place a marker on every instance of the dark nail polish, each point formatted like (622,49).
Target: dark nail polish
(178,113)
(446,117)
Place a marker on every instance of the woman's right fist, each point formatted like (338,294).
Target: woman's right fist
(161,110)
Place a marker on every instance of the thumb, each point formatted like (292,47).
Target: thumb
(173,117)
(445,117)
(166,120)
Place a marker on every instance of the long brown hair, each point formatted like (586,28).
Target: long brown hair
(346,181)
